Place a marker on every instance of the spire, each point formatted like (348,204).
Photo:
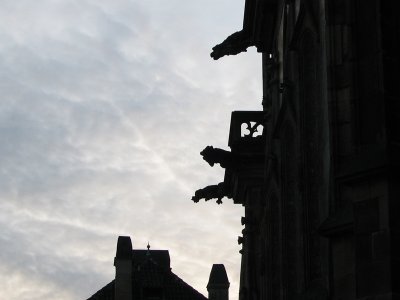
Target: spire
(148,249)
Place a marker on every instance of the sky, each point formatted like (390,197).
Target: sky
(105,106)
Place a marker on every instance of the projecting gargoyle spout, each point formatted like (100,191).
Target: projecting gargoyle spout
(232,45)
(216,191)
(219,156)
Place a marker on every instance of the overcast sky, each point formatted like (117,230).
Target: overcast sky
(105,106)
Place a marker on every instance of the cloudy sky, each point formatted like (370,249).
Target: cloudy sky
(105,106)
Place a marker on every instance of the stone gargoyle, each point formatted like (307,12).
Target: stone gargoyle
(217,191)
(232,45)
(226,159)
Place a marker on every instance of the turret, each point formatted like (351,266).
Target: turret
(218,284)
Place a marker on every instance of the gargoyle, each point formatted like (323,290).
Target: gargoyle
(216,191)
(218,156)
(232,45)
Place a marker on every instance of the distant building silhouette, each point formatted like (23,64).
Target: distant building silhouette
(218,284)
(147,275)
(317,168)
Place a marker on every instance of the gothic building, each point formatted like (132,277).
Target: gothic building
(146,275)
(317,168)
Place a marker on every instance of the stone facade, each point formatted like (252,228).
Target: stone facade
(320,185)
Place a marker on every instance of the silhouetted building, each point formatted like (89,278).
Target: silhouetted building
(147,275)
(317,168)
(218,284)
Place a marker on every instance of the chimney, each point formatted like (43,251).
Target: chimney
(218,284)
(123,269)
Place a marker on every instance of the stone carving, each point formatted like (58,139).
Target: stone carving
(217,191)
(252,128)
(219,156)
(232,45)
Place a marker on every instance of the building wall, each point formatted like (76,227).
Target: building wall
(321,197)
(328,228)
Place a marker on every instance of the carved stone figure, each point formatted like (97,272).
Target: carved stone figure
(232,45)
(219,156)
(216,191)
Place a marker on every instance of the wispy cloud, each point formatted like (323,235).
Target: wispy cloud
(105,107)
